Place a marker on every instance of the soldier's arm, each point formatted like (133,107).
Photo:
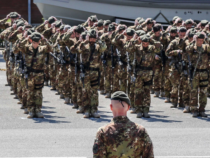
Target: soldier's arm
(22,46)
(47,33)
(13,36)
(103,46)
(170,51)
(74,48)
(118,40)
(3,24)
(48,47)
(40,28)
(147,151)
(99,148)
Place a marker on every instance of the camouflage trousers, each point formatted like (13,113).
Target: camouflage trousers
(103,70)
(64,82)
(34,91)
(110,77)
(90,92)
(121,78)
(74,83)
(7,73)
(52,75)
(142,91)
(22,91)
(200,81)
(166,82)
(46,73)
(57,78)
(130,88)
(184,91)
(174,78)
(158,79)
(10,73)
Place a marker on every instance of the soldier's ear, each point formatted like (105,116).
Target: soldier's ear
(111,107)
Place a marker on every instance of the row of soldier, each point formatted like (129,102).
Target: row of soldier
(102,55)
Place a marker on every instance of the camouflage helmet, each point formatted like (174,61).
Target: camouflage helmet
(204,22)
(173,30)
(140,32)
(51,19)
(201,35)
(58,23)
(93,18)
(100,23)
(107,22)
(145,38)
(79,29)
(92,33)
(111,27)
(130,32)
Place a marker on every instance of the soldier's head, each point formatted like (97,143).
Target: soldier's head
(111,28)
(83,36)
(137,21)
(174,19)
(157,29)
(92,36)
(91,20)
(203,23)
(190,33)
(199,38)
(182,32)
(62,29)
(188,23)
(100,24)
(120,103)
(150,23)
(178,22)
(106,24)
(29,32)
(78,30)
(66,28)
(145,40)
(35,39)
(51,20)
(138,34)
(14,16)
(121,28)
(129,33)
(56,26)
(173,32)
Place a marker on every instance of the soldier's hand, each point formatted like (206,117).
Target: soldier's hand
(20,29)
(157,57)
(8,16)
(46,22)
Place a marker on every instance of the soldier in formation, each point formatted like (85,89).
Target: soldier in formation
(101,55)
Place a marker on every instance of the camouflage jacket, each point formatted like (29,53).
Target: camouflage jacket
(122,138)
(194,53)
(5,34)
(14,36)
(47,33)
(89,56)
(39,59)
(41,28)
(4,24)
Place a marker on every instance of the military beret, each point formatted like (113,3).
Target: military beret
(100,23)
(150,21)
(191,32)
(130,32)
(201,35)
(84,34)
(141,21)
(51,19)
(176,17)
(145,38)
(189,21)
(27,27)
(173,30)
(30,31)
(204,22)
(35,36)
(13,15)
(140,32)
(92,33)
(121,27)
(182,29)
(61,27)
(156,28)
(93,18)
(107,22)
(58,23)
(67,27)
(19,20)
(179,20)
(121,96)
(111,27)
(79,29)
(20,24)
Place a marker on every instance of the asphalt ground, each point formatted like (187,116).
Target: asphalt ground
(63,133)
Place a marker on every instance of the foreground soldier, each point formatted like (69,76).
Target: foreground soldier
(122,137)
(35,58)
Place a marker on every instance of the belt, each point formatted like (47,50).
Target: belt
(144,68)
(93,69)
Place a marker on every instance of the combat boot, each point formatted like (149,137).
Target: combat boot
(133,111)
(162,94)
(31,115)
(22,107)
(7,85)
(52,88)
(139,115)
(61,96)
(86,115)
(186,109)
(157,93)
(152,91)
(146,115)
(195,114)
(46,83)
(174,105)
(57,93)
(39,113)
(95,115)
(11,89)
(19,102)
(80,110)
(75,106)
(167,100)
(67,100)
(12,93)
(25,111)
(102,92)
(15,97)
(108,95)
(202,114)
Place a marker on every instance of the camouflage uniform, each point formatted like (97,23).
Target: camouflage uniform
(122,138)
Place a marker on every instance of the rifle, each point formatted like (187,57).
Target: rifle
(70,55)
(25,72)
(119,60)
(62,61)
(7,49)
(128,64)
(103,59)
(75,61)
(11,56)
(21,64)
(82,71)
(55,58)
(190,69)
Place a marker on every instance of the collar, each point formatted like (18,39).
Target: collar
(120,119)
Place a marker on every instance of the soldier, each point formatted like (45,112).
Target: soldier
(122,137)
(189,23)
(198,57)
(34,55)
(149,24)
(90,53)
(106,25)
(91,20)
(173,52)
(201,25)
